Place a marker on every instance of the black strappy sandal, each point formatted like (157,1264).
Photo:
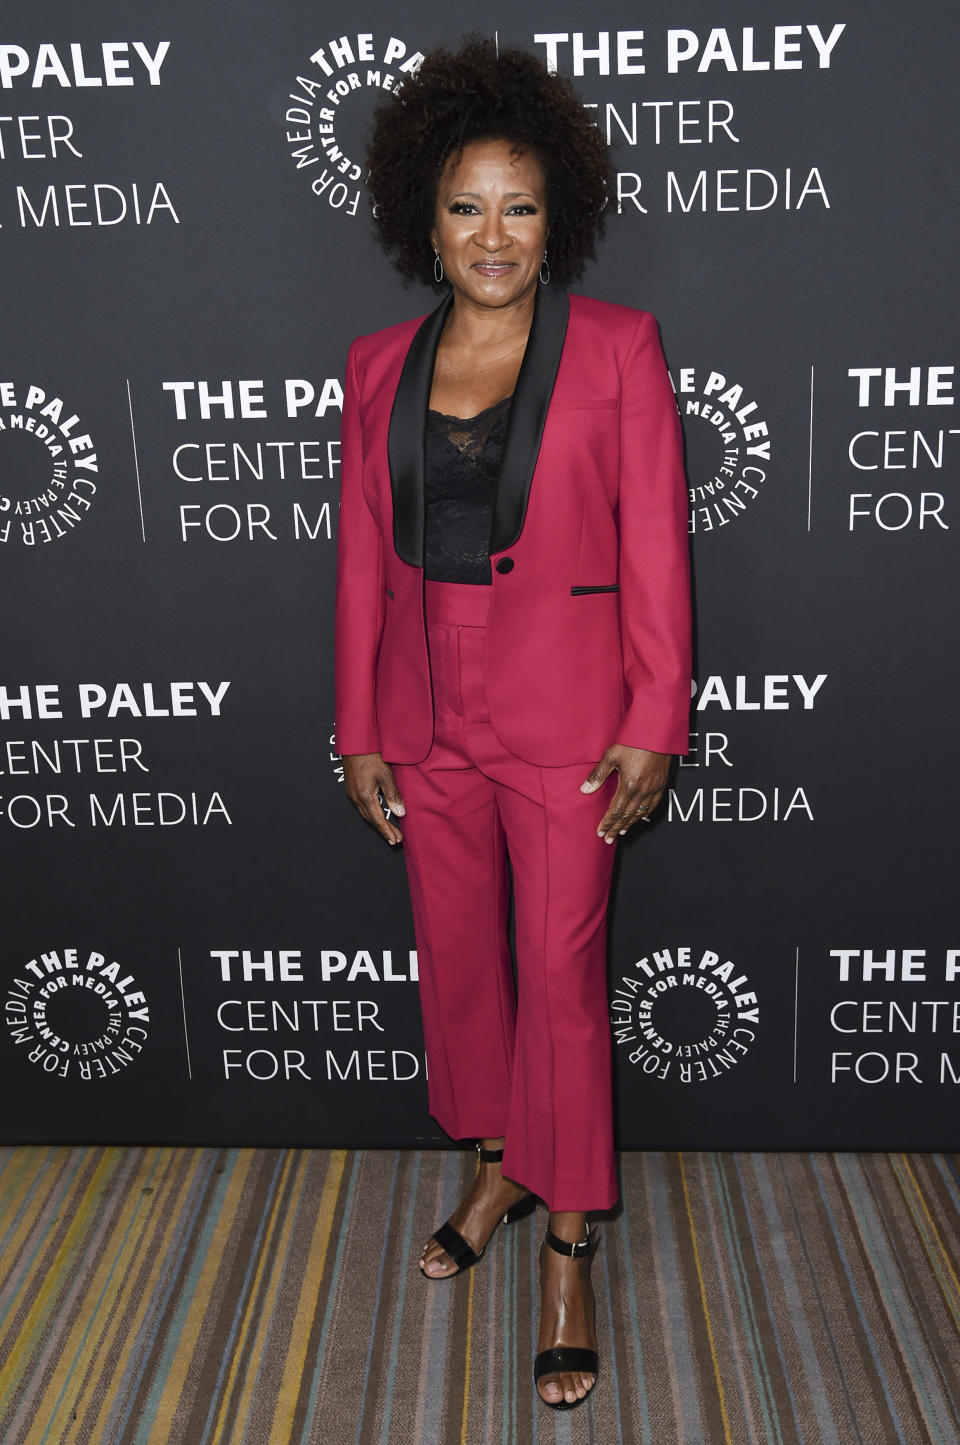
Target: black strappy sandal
(562,1359)
(450,1240)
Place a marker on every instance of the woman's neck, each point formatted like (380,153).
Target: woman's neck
(488,329)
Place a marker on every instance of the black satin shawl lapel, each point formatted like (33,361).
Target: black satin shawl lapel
(405,440)
(528,414)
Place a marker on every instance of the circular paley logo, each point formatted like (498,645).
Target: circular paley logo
(76,1015)
(48,466)
(727,444)
(327,111)
(684,1014)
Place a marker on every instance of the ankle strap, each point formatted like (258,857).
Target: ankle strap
(488,1156)
(563,1246)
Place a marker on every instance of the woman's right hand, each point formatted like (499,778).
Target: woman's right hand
(365,777)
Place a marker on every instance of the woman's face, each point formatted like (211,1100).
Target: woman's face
(490,225)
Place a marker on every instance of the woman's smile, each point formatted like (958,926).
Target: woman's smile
(493,268)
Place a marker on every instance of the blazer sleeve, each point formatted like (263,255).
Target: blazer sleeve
(360,588)
(655,612)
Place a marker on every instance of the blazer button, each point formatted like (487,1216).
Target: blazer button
(505,564)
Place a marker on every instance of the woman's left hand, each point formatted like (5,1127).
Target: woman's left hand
(643,777)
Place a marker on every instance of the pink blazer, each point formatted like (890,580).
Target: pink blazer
(588,637)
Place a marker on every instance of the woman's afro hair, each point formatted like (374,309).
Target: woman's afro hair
(480,93)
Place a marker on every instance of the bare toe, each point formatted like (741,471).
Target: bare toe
(550,1390)
(434,1261)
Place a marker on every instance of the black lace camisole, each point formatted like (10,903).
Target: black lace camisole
(462,466)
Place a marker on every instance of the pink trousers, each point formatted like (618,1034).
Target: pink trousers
(531,1062)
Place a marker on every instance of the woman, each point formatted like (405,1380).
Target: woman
(512,635)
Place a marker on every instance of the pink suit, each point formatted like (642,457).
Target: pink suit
(493,704)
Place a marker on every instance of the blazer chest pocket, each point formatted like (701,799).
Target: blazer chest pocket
(586,591)
(586,403)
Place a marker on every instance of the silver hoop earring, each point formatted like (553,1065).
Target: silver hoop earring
(545,279)
(437,267)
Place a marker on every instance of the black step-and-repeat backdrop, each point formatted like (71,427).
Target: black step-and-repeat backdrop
(201,940)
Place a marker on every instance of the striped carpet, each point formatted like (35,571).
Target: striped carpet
(271,1297)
